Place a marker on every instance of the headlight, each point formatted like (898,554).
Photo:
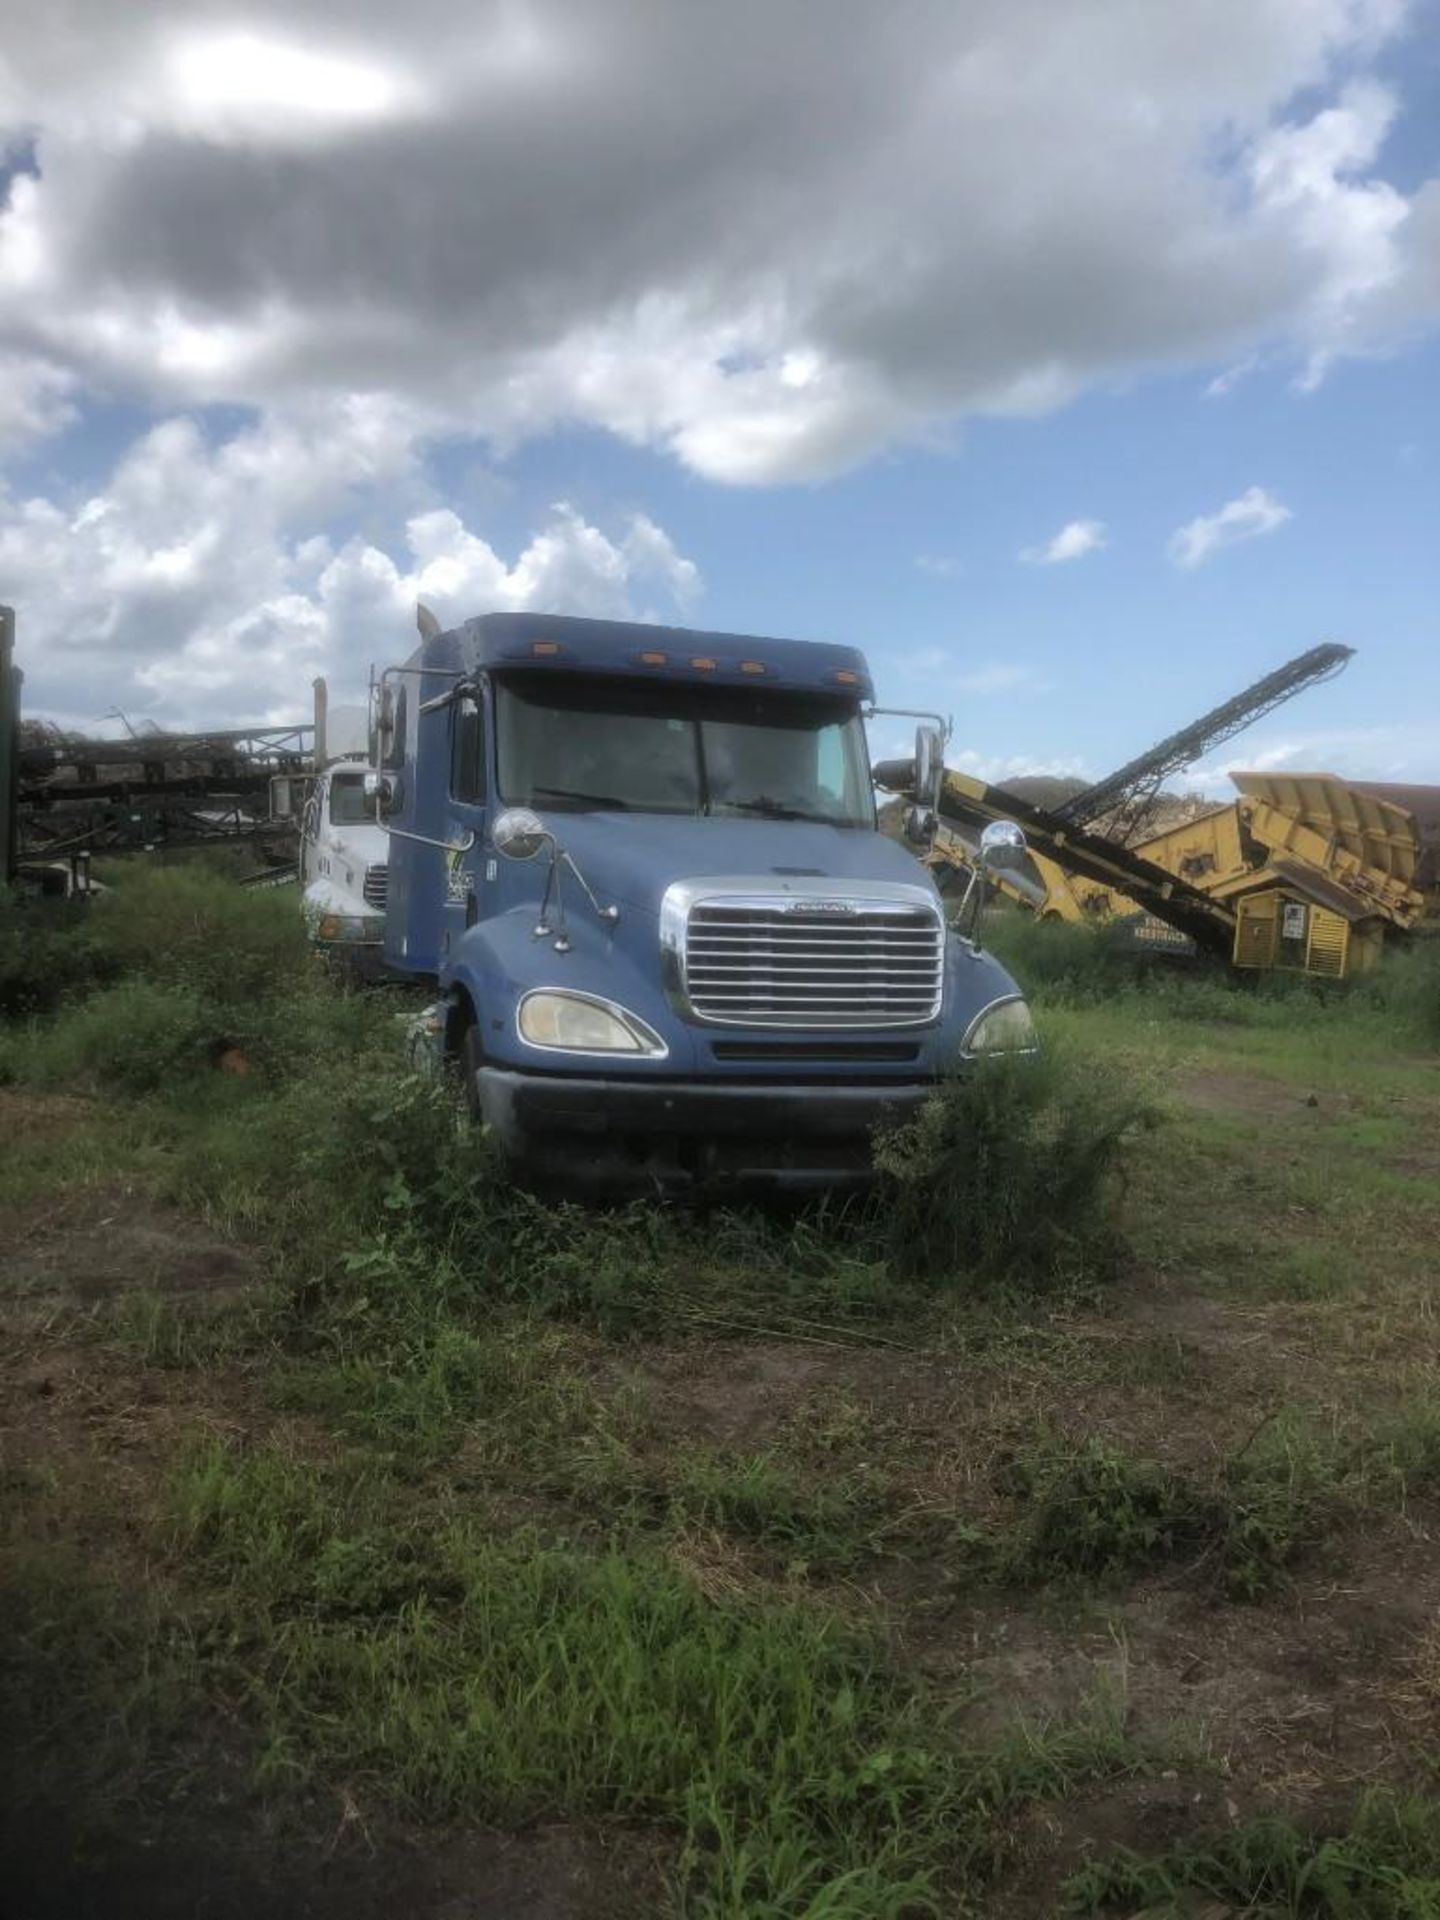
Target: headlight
(1004,1026)
(350,926)
(582,1023)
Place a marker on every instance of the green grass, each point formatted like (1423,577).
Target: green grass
(494,1568)
(511,1679)
(1101,1513)
(1384,1866)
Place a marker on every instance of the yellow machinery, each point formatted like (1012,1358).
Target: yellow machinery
(1302,872)
(1091,877)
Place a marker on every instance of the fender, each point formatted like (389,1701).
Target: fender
(497,961)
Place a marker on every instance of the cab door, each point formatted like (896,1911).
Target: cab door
(310,821)
(466,881)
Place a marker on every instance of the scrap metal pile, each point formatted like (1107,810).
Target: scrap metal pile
(64,796)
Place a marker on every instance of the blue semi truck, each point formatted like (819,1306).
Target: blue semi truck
(673,950)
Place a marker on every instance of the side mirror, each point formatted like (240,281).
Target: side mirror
(379,789)
(1003,847)
(520,834)
(929,766)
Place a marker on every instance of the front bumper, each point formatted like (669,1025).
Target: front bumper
(609,1135)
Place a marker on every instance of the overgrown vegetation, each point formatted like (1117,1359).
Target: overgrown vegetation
(1063,965)
(462,1540)
(1010,1172)
(1099,1512)
(1385,1866)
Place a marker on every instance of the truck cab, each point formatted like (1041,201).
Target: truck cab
(643,866)
(343,861)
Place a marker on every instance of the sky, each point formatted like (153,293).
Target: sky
(1080,363)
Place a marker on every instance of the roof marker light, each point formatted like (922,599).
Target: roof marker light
(654,659)
(847,678)
(543,648)
(753,666)
(702,664)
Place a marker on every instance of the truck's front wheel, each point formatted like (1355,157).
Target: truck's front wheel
(472,1059)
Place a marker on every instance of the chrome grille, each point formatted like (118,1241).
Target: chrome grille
(792,963)
(377,885)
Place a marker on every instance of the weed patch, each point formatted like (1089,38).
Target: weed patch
(502,1680)
(1386,1866)
(1099,1513)
(1010,1173)
(189,927)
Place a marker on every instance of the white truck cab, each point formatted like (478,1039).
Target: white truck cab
(343,872)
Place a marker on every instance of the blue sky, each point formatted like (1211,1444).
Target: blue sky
(1116,648)
(835,346)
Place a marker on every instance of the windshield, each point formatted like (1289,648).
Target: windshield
(348,805)
(661,748)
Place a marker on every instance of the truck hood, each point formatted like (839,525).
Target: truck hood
(630,859)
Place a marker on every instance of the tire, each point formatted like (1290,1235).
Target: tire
(472,1059)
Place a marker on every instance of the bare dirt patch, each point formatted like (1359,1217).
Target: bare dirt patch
(89,1247)
(746,1393)
(39,1116)
(1293,1708)
(219,1863)
(1227,1090)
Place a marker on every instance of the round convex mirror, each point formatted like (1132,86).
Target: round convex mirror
(519,834)
(1002,845)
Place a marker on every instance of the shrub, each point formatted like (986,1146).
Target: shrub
(1100,1513)
(189,927)
(1405,990)
(136,1036)
(46,953)
(1059,962)
(1011,1171)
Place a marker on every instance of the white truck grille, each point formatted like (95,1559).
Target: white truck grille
(377,886)
(803,962)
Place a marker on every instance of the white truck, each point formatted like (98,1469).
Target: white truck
(343,851)
(343,870)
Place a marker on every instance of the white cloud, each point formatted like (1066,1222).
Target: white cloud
(1226,381)
(36,400)
(764,245)
(242,85)
(1396,752)
(1074,540)
(942,565)
(998,768)
(1245,518)
(196,585)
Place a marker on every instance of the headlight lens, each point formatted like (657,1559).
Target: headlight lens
(581,1023)
(350,926)
(1004,1026)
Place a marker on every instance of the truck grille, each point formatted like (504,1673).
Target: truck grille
(749,963)
(377,883)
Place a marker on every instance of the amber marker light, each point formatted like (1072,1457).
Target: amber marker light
(654,659)
(702,665)
(753,666)
(542,649)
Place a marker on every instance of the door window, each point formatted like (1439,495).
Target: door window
(467,751)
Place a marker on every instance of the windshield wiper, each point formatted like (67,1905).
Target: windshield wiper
(585,799)
(774,809)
